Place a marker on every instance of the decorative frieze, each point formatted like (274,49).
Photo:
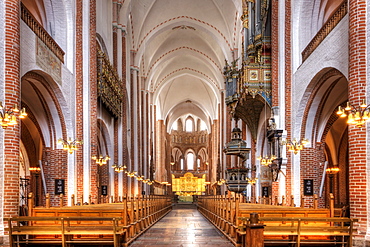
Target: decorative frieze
(48,61)
(110,88)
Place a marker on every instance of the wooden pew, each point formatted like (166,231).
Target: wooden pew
(64,230)
(134,215)
(227,215)
(298,231)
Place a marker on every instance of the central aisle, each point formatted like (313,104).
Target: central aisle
(184,226)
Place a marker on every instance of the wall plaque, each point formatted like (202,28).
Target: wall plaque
(59,186)
(308,187)
(265,191)
(104,190)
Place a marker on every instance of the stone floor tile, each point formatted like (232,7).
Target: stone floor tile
(184,226)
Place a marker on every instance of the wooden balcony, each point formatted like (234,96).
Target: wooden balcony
(40,32)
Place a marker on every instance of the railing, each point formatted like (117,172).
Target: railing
(325,30)
(40,32)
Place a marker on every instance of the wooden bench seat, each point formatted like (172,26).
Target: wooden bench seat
(64,230)
(283,224)
(88,224)
(307,230)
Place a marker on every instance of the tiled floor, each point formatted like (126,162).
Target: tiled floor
(184,226)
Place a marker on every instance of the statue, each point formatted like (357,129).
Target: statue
(271,124)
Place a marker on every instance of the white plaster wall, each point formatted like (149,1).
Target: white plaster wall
(66,95)
(331,53)
(104,21)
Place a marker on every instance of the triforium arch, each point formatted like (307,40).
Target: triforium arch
(327,134)
(104,151)
(40,131)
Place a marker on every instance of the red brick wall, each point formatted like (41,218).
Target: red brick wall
(124,113)
(79,96)
(288,87)
(55,167)
(93,104)
(356,92)
(12,96)
(132,126)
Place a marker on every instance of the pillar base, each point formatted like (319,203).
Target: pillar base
(361,242)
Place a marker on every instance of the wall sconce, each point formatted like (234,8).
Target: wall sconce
(131,174)
(356,117)
(7,117)
(35,169)
(69,145)
(101,160)
(221,181)
(331,171)
(119,168)
(295,146)
(252,181)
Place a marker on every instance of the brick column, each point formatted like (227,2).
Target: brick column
(356,92)
(79,98)
(288,92)
(12,96)
(124,111)
(93,105)
(133,115)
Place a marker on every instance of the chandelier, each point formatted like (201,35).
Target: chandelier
(101,160)
(294,145)
(119,168)
(356,117)
(131,174)
(69,145)
(267,160)
(252,181)
(7,117)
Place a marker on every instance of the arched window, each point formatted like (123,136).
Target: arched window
(203,125)
(174,125)
(189,125)
(182,164)
(190,161)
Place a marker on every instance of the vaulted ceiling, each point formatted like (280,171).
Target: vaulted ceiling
(181,50)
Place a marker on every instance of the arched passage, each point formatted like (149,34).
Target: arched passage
(327,134)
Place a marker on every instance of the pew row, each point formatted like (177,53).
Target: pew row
(65,231)
(296,231)
(129,218)
(229,215)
